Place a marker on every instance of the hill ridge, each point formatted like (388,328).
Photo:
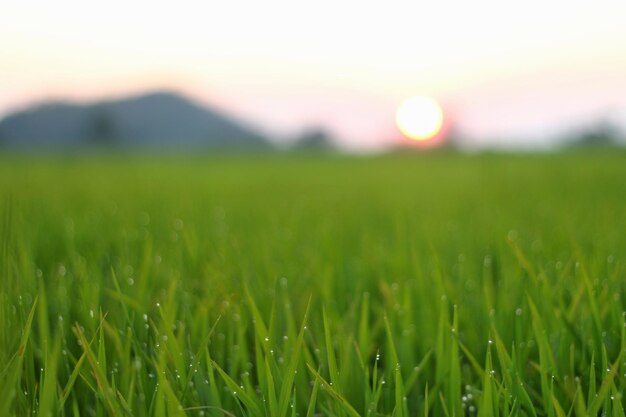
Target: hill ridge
(154,119)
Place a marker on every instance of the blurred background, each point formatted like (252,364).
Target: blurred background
(277,74)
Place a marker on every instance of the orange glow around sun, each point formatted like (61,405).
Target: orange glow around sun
(420,118)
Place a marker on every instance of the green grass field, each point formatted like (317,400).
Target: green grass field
(303,285)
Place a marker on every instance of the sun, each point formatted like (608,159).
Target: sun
(419,118)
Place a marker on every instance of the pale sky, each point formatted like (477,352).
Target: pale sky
(505,72)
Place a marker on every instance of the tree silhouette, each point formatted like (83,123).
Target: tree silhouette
(102,130)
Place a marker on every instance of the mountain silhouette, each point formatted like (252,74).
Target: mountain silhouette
(155,120)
